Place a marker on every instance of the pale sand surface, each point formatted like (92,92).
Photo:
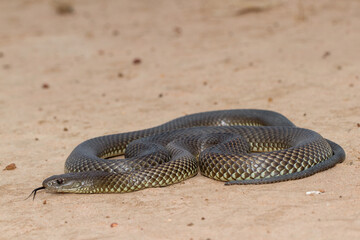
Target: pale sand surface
(300,58)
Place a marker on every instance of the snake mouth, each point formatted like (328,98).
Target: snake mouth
(49,188)
(48,185)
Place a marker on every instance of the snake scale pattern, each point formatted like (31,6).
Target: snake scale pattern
(244,146)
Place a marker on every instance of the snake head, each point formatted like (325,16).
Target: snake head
(81,182)
(69,183)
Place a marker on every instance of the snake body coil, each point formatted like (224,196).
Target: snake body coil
(234,146)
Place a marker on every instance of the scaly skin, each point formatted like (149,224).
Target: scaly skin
(270,149)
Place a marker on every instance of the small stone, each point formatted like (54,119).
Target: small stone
(114,225)
(326,54)
(136,61)
(11,166)
(64,8)
(178,30)
(311,193)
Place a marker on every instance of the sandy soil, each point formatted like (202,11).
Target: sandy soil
(75,70)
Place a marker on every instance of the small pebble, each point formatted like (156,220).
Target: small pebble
(190,224)
(178,30)
(310,193)
(326,54)
(64,8)
(114,225)
(136,61)
(11,166)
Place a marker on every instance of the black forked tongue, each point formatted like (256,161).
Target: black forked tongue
(34,192)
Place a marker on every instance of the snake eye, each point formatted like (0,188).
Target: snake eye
(59,181)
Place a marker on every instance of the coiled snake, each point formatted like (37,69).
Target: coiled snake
(234,146)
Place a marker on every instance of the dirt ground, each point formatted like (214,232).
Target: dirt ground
(73,70)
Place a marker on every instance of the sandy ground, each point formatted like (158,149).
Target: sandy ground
(91,68)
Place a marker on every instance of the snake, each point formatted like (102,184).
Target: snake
(238,147)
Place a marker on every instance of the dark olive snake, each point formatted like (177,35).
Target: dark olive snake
(234,146)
